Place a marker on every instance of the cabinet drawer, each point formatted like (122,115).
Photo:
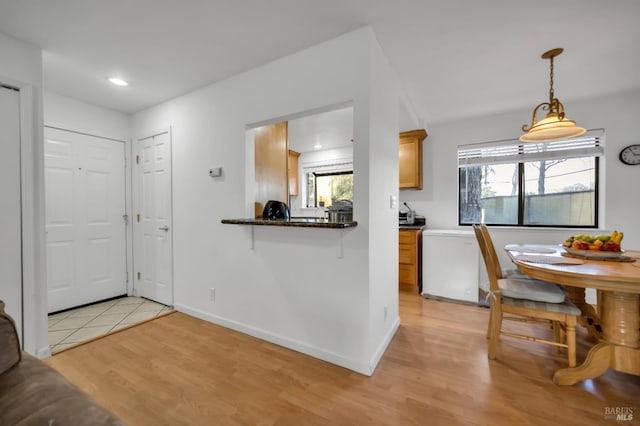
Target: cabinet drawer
(407,255)
(407,237)
(407,274)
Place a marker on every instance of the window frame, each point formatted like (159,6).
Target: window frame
(324,174)
(596,152)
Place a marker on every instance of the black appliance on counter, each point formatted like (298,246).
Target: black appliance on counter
(276,210)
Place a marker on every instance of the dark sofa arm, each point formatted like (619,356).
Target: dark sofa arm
(10,353)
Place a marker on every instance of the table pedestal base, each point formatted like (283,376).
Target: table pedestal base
(601,357)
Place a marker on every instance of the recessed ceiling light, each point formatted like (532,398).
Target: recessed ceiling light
(317,146)
(117,81)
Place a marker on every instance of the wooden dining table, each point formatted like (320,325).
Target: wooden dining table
(615,323)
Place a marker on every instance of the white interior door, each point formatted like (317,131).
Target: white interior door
(10,206)
(153,247)
(85,222)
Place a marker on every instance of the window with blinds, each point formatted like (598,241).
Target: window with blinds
(518,183)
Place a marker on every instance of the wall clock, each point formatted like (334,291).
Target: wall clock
(630,155)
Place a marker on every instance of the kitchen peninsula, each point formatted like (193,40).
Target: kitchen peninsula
(293,222)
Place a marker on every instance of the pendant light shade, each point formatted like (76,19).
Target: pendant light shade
(555,125)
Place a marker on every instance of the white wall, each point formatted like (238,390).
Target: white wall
(70,114)
(21,66)
(620,202)
(292,287)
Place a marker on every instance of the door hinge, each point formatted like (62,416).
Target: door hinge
(125,217)
(138,217)
(137,159)
(127,276)
(139,275)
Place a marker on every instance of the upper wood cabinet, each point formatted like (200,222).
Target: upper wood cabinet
(293,172)
(411,159)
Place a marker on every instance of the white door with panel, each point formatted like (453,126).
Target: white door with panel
(10,206)
(85,218)
(153,247)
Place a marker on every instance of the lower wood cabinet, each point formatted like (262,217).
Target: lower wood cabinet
(409,258)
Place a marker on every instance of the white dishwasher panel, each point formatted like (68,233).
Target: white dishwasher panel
(450,264)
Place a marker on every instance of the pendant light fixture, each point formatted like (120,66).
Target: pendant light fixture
(555,125)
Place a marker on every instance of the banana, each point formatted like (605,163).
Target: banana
(614,235)
(619,237)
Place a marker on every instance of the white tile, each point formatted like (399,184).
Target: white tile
(60,315)
(122,309)
(70,323)
(138,317)
(56,337)
(150,307)
(106,319)
(131,300)
(87,311)
(52,321)
(107,304)
(86,333)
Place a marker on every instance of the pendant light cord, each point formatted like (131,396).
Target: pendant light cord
(551,94)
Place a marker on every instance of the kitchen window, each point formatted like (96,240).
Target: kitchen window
(325,188)
(326,181)
(553,184)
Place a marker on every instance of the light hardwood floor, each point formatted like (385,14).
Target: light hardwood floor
(180,370)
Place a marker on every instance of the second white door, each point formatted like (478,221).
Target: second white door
(153,253)
(85,223)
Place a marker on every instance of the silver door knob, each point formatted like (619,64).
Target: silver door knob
(164,228)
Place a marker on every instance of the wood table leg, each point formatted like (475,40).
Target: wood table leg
(590,318)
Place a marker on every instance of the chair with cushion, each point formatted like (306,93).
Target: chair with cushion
(525,300)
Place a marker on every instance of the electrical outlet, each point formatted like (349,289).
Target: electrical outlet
(212,294)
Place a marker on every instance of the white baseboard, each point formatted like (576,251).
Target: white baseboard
(377,355)
(296,345)
(44,352)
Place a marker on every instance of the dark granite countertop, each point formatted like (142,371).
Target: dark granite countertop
(413,227)
(420,223)
(293,222)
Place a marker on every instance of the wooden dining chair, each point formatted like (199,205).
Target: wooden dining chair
(525,300)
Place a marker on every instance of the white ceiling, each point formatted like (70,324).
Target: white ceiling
(455,58)
(329,130)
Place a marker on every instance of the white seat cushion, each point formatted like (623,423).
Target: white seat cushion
(506,273)
(530,289)
(565,307)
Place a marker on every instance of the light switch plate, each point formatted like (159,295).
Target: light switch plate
(393,202)
(215,172)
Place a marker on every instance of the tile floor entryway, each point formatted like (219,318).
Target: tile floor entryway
(72,327)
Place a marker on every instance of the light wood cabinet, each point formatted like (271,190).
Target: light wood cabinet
(411,159)
(294,186)
(409,258)
(270,165)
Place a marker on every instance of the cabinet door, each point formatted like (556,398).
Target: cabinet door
(293,172)
(410,157)
(270,165)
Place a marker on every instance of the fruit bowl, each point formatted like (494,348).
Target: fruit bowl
(594,254)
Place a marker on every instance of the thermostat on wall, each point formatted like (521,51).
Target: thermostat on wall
(215,172)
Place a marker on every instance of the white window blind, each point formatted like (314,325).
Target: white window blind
(515,151)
